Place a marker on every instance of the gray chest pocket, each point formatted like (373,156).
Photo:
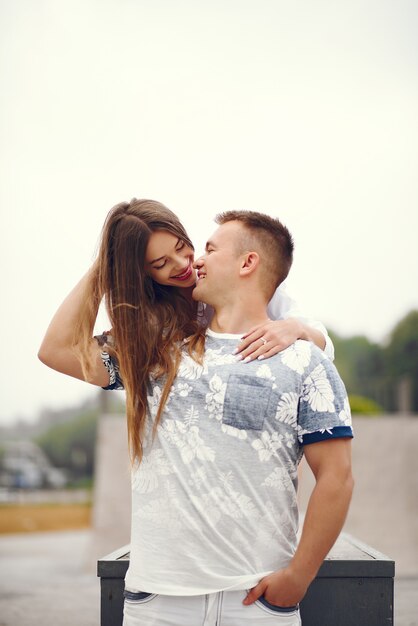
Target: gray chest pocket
(246,402)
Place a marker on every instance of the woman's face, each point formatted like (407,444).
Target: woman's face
(169,260)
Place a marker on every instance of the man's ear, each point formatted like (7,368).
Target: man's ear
(249,263)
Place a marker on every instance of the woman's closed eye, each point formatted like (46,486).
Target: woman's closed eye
(180,245)
(159,267)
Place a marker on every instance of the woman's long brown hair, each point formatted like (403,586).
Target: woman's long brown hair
(149,321)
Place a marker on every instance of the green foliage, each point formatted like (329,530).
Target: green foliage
(402,353)
(71,445)
(364,406)
(85,482)
(375,371)
(361,365)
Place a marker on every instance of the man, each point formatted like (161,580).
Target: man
(214,510)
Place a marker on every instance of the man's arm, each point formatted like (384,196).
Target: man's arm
(330,462)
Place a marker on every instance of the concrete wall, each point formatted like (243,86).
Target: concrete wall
(112,487)
(384,509)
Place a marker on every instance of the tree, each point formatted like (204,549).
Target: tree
(71,445)
(361,365)
(401,355)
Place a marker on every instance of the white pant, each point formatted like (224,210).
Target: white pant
(224,608)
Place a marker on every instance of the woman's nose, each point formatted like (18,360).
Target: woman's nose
(180,259)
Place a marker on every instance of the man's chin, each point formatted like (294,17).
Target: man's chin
(198,293)
(195,293)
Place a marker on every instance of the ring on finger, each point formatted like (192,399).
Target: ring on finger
(263,340)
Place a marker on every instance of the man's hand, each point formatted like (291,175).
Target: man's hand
(282,588)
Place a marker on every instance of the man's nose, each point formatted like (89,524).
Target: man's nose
(198,263)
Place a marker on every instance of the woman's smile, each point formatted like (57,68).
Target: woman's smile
(185,275)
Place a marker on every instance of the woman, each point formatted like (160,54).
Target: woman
(144,271)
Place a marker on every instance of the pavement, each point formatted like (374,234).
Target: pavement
(49,579)
(406,601)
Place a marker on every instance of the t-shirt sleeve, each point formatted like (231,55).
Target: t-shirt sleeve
(324,409)
(110,363)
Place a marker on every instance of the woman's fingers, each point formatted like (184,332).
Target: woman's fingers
(262,342)
(264,352)
(251,344)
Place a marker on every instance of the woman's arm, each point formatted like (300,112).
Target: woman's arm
(57,348)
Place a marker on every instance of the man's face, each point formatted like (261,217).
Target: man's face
(218,267)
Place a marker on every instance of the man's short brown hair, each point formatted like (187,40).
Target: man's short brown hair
(270,239)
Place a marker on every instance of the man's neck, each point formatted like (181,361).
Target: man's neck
(238,319)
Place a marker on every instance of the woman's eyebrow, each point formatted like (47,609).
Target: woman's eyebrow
(164,255)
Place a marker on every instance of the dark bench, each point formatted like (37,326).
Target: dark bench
(354,587)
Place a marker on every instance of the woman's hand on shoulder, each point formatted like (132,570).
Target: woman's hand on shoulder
(267,339)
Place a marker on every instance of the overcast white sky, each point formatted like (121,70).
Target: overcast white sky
(304,110)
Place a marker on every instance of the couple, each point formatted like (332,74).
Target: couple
(217,427)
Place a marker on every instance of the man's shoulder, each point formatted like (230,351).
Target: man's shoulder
(301,357)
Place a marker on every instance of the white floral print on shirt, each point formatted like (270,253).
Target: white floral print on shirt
(267,445)
(215,397)
(317,391)
(187,440)
(345,414)
(297,356)
(287,409)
